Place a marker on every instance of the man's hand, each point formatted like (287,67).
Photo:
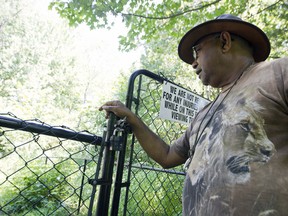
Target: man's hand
(155,147)
(118,108)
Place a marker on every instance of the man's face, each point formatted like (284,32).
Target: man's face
(207,63)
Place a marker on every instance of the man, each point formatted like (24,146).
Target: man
(236,149)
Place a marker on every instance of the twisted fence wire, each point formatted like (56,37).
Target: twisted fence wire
(44,175)
(153,190)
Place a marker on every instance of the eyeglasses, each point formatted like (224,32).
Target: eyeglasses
(197,48)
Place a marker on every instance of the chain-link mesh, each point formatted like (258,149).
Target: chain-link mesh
(153,190)
(44,175)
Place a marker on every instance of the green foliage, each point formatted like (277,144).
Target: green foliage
(85,10)
(155,193)
(160,26)
(148,21)
(272,17)
(41,73)
(24,70)
(39,190)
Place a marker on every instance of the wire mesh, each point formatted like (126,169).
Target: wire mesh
(153,190)
(44,175)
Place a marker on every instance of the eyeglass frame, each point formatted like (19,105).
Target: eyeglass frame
(195,49)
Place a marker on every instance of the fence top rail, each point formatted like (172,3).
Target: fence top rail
(159,78)
(36,126)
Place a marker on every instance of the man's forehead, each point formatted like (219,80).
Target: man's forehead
(206,38)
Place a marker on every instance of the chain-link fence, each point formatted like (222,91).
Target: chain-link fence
(153,190)
(53,170)
(45,175)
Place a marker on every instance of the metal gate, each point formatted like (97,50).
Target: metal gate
(152,190)
(63,172)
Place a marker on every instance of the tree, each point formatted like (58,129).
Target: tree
(39,77)
(167,20)
(37,71)
(43,72)
(159,25)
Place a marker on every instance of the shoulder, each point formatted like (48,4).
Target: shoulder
(283,60)
(279,62)
(280,67)
(273,68)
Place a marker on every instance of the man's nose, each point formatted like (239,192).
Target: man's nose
(194,64)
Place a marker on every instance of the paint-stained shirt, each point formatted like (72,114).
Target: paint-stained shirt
(239,147)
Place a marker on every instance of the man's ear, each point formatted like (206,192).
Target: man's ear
(226,41)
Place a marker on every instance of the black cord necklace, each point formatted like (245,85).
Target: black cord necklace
(198,135)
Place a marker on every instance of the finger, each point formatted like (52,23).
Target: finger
(110,103)
(108,110)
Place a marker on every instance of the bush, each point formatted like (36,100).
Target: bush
(37,191)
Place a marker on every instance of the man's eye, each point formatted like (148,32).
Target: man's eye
(197,49)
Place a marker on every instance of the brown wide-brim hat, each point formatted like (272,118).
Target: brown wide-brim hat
(232,24)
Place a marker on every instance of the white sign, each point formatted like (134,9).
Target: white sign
(180,105)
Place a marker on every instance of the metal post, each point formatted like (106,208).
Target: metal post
(119,176)
(107,172)
(81,188)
